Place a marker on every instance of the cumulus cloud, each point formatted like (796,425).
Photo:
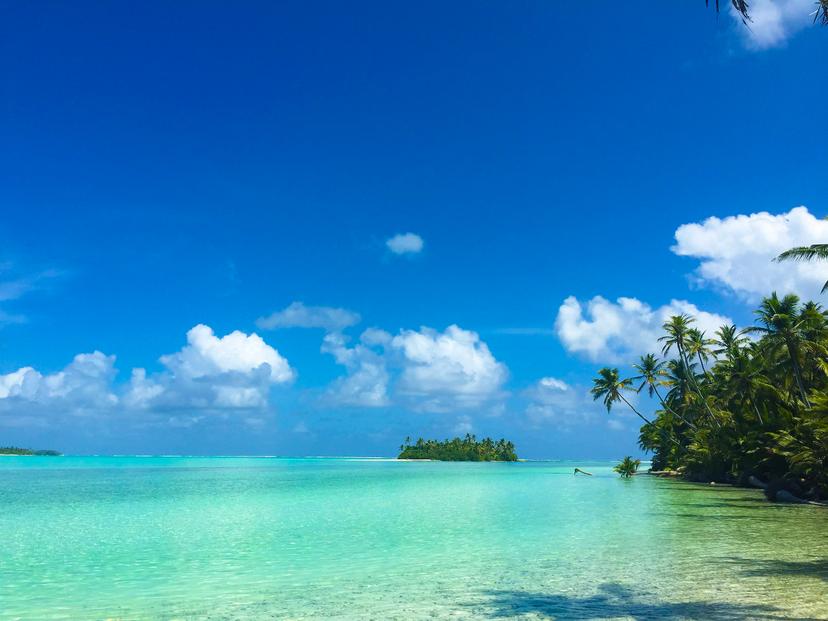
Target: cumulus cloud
(551,401)
(405,243)
(442,370)
(82,384)
(421,369)
(736,253)
(366,383)
(206,354)
(620,331)
(297,315)
(773,22)
(230,372)
(83,387)
(210,373)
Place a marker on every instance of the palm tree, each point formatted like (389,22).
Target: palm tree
(742,376)
(627,467)
(806,253)
(730,340)
(698,346)
(782,325)
(676,328)
(678,334)
(610,387)
(651,374)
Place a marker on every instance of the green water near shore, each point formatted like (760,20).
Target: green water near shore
(258,538)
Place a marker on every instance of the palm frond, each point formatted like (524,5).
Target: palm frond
(821,16)
(805,253)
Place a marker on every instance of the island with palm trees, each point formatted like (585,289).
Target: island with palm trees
(746,406)
(16,450)
(459,449)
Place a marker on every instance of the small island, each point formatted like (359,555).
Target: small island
(459,449)
(16,450)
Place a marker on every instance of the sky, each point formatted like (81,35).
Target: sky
(318,228)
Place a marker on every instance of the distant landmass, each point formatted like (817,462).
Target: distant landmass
(459,449)
(16,450)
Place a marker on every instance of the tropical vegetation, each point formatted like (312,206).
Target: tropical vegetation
(459,449)
(627,467)
(736,406)
(16,450)
(806,253)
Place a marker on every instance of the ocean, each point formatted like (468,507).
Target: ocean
(179,538)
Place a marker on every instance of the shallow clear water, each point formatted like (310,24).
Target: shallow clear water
(260,538)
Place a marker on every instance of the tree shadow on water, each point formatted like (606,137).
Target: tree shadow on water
(814,568)
(615,601)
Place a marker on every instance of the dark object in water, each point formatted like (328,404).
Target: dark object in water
(577,470)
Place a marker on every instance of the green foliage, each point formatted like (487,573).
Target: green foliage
(627,467)
(459,449)
(15,450)
(750,402)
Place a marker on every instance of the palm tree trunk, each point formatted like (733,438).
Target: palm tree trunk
(696,384)
(644,418)
(704,368)
(667,407)
(797,370)
(758,415)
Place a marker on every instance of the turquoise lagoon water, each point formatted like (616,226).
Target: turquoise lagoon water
(260,538)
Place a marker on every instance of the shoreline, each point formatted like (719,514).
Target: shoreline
(782,496)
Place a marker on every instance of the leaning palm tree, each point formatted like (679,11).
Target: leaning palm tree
(651,374)
(806,253)
(610,387)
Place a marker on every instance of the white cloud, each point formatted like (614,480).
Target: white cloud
(551,383)
(405,243)
(552,401)
(366,383)
(206,354)
(230,372)
(615,332)
(421,369)
(83,386)
(737,252)
(773,22)
(234,372)
(297,315)
(450,369)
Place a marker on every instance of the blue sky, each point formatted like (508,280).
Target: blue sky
(166,167)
